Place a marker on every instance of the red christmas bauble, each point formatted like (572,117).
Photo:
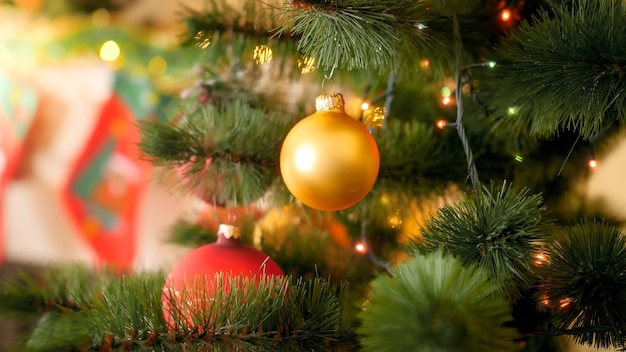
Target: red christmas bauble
(193,279)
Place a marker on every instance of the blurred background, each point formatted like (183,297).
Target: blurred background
(85,72)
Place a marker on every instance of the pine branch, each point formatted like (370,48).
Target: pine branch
(586,284)
(257,314)
(360,34)
(436,303)
(502,234)
(565,69)
(57,289)
(224,149)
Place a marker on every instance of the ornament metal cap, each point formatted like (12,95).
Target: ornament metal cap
(329,101)
(229,231)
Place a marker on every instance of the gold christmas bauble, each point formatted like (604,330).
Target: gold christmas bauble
(329,161)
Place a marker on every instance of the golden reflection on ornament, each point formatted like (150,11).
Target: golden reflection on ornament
(395,219)
(110,51)
(262,54)
(565,302)
(374,116)
(203,42)
(305,158)
(306,65)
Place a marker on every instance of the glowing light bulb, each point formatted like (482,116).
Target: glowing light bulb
(540,258)
(360,247)
(110,51)
(445,92)
(519,158)
(425,63)
(446,101)
(365,105)
(305,158)
(491,64)
(505,15)
(593,163)
(441,124)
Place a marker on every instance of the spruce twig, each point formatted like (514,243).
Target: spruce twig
(565,70)
(503,234)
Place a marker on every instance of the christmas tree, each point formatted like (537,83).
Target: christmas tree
(459,111)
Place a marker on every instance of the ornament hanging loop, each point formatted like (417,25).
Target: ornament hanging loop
(326,78)
(329,77)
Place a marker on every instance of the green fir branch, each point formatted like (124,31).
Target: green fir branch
(233,136)
(563,69)
(257,314)
(502,232)
(585,285)
(56,289)
(435,302)
(360,34)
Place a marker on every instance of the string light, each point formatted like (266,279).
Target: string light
(491,64)
(446,101)
(540,258)
(519,158)
(425,63)
(360,247)
(441,124)
(365,105)
(565,302)
(505,15)
(511,110)
(445,92)
(593,163)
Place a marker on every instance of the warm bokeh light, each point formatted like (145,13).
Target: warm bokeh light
(425,63)
(157,65)
(441,124)
(565,302)
(445,92)
(593,163)
(365,105)
(110,51)
(446,101)
(505,15)
(360,247)
(540,258)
